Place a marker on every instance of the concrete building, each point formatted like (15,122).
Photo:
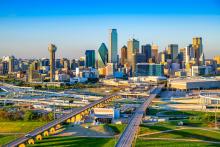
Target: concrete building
(154,52)
(193,83)
(113,46)
(133,49)
(52,49)
(217,59)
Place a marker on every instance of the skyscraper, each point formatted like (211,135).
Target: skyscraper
(124,51)
(90,58)
(146,50)
(154,52)
(102,55)
(172,52)
(52,49)
(198,48)
(113,46)
(11,64)
(133,49)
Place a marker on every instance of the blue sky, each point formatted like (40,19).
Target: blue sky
(26,27)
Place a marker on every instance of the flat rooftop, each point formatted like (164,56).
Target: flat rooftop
(194,79)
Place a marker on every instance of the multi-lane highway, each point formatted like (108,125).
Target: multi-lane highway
(130,131)
(58,121)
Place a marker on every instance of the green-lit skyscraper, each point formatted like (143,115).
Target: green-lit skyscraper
(113,46)
(90,58)
(102,55)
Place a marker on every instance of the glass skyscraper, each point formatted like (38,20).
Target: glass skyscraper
(146,50)
(149,69)
(113,46)
(102,55)
(90,58)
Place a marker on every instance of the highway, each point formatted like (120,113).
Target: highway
(130,131)
(55,122)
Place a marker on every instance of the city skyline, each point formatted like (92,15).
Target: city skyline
(76,27)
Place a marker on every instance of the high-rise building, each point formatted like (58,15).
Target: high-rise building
(66,63)
(154,52)
(102,55)
(113,46)
(11,64)
(172,52)
(90,58)
(146,50)
(149,69)
(3,68)
(52,49)
(198,48)
(124,51)
(74,64)
(132,50)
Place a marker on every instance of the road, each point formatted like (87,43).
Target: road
(129,133)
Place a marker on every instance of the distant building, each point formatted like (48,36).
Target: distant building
(124,55)
(149,69)
(3,68)
(102,56)
(90,58)
(198,48)
(200,70)
(113,46)
(11,64)
(154,52)
(109,69)
(217,59)
(133,49)
(52,49)
(172,52)
(74,64)
(146,50)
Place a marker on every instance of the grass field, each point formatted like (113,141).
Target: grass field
(15,127)
(69,141)
(164,143)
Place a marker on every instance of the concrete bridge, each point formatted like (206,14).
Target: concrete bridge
(50,128)
(129,135)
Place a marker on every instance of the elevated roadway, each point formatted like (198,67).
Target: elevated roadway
(127,137)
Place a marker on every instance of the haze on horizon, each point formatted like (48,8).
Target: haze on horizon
(26,28)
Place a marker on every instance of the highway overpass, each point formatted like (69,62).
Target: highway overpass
(127,137)
(51,127)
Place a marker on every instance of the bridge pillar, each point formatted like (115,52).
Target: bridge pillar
(58,126)
(39,137)
(31,141)
(78,117)
(68,121)
(52,130)
(73,119)
(46,133)
(21,145)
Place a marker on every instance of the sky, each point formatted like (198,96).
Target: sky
(27,27)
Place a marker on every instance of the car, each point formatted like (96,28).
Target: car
(28,135)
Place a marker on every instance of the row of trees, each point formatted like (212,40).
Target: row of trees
(29,115)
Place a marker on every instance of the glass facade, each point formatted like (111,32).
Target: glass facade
(90,58)
(102,55)
(145,69)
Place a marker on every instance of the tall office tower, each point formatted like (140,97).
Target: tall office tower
(11,64)
(66,63)
(90,58)
(3,68)
(113,46)
(162,57)
(102,55)
(52,49)
(173,52)
(154,52)
(146,50)
(190,53)
(124,51)
(82,62)
(132,50)
(198,48)
(57,63)
(182,55)
(74,64)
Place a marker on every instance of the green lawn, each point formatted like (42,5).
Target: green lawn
(16,127)
(69,141)
(164,143)
(117,128)
(19,126)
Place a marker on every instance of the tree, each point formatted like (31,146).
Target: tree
(29,115)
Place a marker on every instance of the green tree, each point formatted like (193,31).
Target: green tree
(28,115)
